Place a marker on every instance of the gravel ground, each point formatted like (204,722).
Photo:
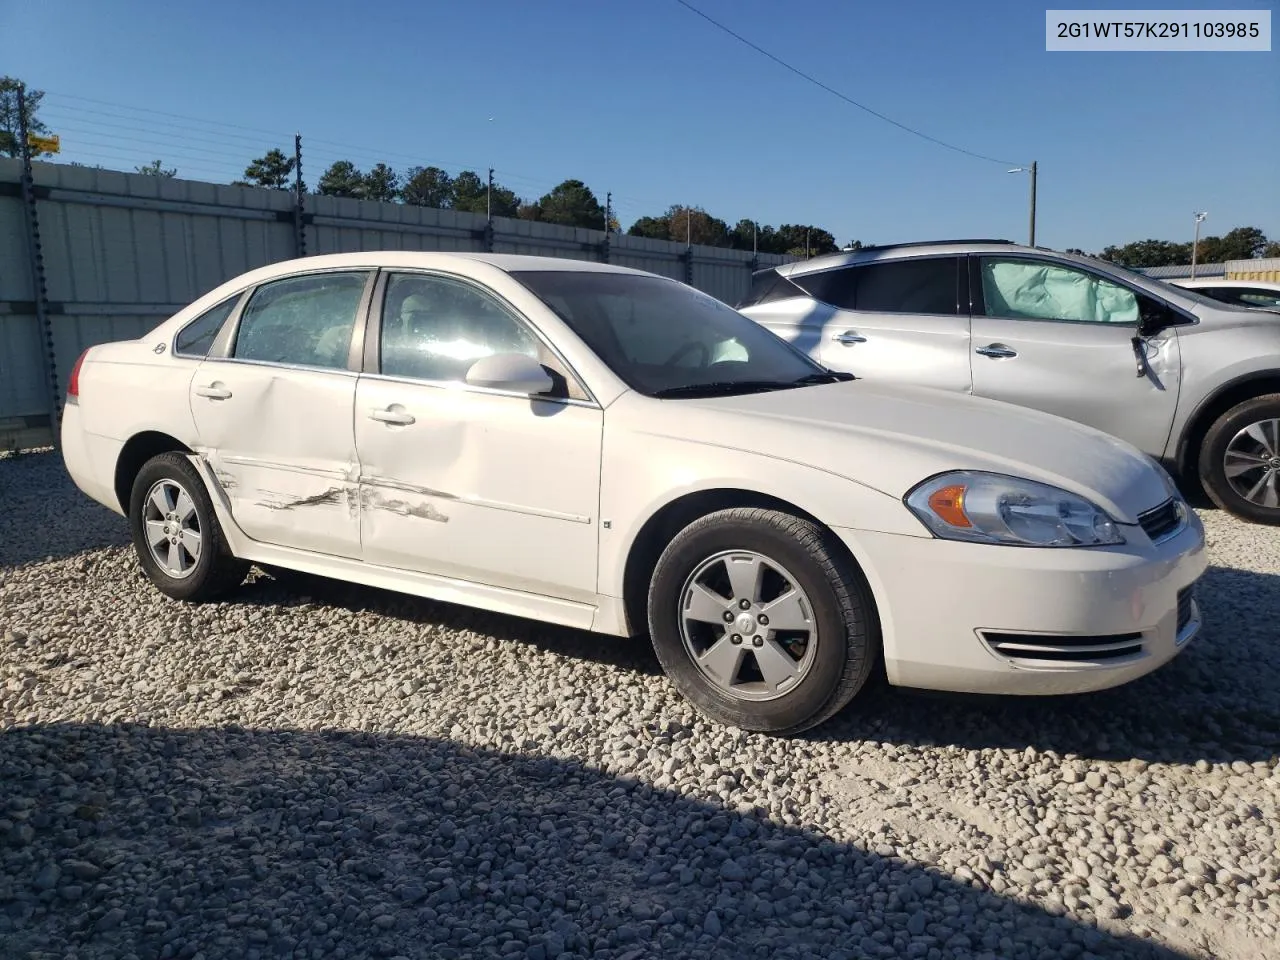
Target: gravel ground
(357,773)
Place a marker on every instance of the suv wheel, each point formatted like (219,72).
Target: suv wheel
(1240,460)
(760,622)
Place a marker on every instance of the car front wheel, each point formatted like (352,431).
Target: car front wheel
(760,621)
(1240,460)
(176,534)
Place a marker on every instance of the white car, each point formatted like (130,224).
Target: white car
(612,450)
(1260,294)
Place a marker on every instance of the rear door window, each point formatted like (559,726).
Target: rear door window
(929,285)
(306,321)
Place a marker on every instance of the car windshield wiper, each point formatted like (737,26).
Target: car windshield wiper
(723,387)
(830,376)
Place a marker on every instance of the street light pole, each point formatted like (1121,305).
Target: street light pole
(1031,241)
(1195,244)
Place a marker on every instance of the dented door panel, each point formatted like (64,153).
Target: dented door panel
(486,487)
(280,442)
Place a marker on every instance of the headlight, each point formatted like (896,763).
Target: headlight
(990,508)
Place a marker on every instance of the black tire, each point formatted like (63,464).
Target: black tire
(216,571)
(1213,452)
(848,633)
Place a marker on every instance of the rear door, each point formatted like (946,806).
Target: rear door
(1061,339)
(894,320)
(273,403)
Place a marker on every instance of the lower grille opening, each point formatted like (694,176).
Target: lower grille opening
(1078,649)
(1186,601)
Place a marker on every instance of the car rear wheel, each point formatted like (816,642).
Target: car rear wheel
(176,533)
(760,621)
(1240,460)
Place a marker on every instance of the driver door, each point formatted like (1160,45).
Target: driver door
(1061,339)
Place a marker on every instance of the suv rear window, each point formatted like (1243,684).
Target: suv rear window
(769,285)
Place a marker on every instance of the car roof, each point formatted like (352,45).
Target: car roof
(506,262)
(932,248)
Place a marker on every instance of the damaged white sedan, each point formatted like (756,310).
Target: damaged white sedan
(612,450)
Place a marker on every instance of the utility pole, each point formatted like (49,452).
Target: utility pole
(806,243)
(1195,244)
(1031,232)
(1032,241)
(608,212)
(488,197)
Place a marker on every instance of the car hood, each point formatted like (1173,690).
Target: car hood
(891,437)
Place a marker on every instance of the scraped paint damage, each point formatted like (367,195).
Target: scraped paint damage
(403,508)
(333,495)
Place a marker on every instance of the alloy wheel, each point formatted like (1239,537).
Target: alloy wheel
(1252,463)
(172,528)
(748,625)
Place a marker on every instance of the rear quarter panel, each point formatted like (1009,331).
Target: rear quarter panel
(127,388)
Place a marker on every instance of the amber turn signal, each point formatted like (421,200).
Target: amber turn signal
(948,504)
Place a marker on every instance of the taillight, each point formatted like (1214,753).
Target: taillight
(73,381)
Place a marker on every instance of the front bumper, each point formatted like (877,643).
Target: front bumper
(971,617)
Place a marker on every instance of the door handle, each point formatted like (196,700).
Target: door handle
(848,337)
(390,415)
(996,350)
(214,391)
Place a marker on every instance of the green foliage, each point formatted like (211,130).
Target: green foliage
(156,169)
(655,228)
(1241,243)
(342,179)
(273,169)
(572,204)
(428,187)
(381,183)
(10,146)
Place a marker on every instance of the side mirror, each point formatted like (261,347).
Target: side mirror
(1153,317)
(516,372)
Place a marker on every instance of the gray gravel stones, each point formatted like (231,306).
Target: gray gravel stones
(351,773)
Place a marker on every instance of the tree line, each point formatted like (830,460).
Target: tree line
(1240,243)
(571,203)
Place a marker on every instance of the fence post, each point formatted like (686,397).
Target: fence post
(36,256)
(608,223)
(299,211)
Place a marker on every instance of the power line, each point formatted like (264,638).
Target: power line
(834,92)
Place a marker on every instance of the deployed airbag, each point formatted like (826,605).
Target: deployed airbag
(1037,291)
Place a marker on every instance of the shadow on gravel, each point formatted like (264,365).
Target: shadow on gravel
(45,517)
(134,841)
(1219,700)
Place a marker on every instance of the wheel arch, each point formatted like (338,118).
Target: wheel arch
(137,450)
(1230,394)
(675,515)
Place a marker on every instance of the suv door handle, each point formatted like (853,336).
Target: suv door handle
(214,391)
(391,415)
(996,350)
(848,337)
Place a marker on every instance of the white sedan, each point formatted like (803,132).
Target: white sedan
(612,450)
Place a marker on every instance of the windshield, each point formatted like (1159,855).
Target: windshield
(665,339)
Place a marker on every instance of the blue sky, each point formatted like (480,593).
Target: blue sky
(644,99)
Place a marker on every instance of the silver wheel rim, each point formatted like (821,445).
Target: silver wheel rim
(172,528)
(748,625)
(1252,463)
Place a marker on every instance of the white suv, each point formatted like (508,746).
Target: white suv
(1191,381)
